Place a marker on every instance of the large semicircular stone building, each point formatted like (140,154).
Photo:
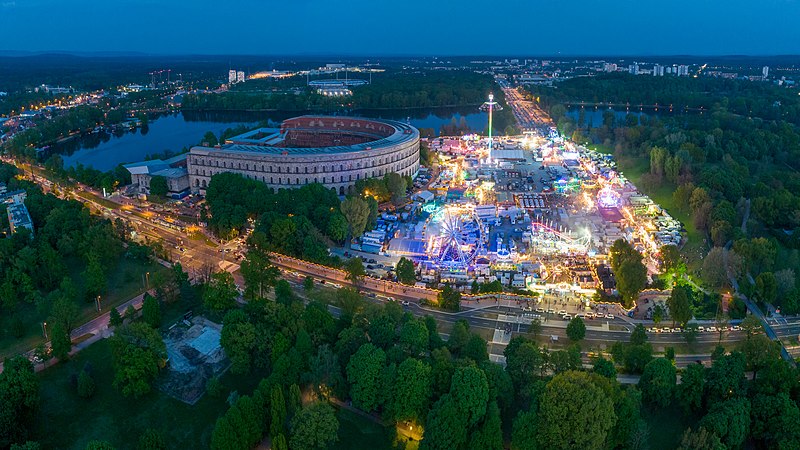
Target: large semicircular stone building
(333,151)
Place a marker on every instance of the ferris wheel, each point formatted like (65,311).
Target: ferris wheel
(455,237)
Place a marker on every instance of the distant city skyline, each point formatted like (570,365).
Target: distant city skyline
(413,27)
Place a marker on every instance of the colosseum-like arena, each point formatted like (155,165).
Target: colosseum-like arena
(334,151)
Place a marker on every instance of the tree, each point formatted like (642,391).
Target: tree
(86,384)
(158,186)
(259,274)
(356,212)
(730,420)
(658,382)
(225,436)
(631,280)
(210,139)
(277,408)
(363,373)
(605,368)
(774,420)
(396,185)
(220,293)
(690,392)
(576,330)
(670,258)
(488,434)
(766,287)
(60,341)
(314,427)
(639,335)
(469,388)
(414,337)
(354,271)
(95,277)
(152,440)
(114,318)
(411,390)
(405,271)
(138,352)
(445,427)
(308,283)
(525,430)
(759,350)
(19,399)
(130,314)
(680,309)
(238,338)
(751,325)
(590,413)
(449,299)
(151,311)
(65,310)
(726,378)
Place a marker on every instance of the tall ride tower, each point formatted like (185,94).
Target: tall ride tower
(490,104)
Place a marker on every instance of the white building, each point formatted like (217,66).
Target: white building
(240,77)
(231,76)
(765,72)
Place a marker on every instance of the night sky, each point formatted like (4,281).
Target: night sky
(404,27)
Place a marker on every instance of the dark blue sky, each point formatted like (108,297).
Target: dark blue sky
(421,27)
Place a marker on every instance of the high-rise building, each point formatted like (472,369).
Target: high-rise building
(683,70)
(633,69)
(240,77)
(658,70)
(765,72)
(231,76)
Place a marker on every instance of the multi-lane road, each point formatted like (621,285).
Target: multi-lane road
(528,114)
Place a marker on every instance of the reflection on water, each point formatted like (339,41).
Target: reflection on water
(173,132)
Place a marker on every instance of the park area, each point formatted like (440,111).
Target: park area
(22,331)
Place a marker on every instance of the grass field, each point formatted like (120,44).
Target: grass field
(69,422)
(124,282)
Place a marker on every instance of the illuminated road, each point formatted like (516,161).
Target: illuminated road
(528,114)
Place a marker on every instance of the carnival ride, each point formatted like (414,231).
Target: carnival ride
(608,198)
(547,240)
(455,237)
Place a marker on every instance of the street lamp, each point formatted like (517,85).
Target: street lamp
(98,303)
(44,329)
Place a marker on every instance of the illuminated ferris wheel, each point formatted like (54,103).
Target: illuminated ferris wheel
(455,237)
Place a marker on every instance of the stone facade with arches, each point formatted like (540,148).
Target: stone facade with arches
(333,151)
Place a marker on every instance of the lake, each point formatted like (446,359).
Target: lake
(594,116)
(173,132)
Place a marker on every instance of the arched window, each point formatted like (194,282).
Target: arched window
(341,190)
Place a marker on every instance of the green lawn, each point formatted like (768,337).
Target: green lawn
(124,282)
(68,422)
